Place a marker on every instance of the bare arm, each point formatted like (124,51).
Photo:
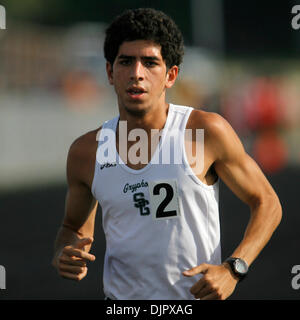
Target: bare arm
(75,236)
(243,176)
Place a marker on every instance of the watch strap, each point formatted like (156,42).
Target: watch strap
(231,262)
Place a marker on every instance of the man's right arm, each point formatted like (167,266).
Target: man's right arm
(75,236)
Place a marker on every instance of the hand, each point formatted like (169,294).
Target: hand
(71,262)
(217,283)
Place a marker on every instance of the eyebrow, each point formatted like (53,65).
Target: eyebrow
(151,58)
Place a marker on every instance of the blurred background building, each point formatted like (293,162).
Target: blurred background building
(241,60)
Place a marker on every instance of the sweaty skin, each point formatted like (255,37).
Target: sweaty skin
(140,78)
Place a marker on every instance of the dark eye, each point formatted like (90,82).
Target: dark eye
(125,62)
(150,63)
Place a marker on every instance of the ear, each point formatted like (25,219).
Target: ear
(171,76)
(109,71)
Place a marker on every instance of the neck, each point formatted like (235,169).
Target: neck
(152,118)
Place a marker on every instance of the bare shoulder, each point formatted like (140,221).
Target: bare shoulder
(219,135)
(81,158)
(213,122)
(83,145)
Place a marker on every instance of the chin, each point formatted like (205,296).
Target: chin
(137,111)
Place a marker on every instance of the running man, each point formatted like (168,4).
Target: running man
(161,220)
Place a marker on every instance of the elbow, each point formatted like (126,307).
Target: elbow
(275,209)
(277,212)
(271,207)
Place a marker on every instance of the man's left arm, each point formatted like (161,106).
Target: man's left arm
(243,176)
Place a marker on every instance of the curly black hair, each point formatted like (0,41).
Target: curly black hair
(145,24)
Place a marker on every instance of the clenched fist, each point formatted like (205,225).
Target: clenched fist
(71,263)
(217,282)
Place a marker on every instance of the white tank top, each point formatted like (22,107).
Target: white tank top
(158,221)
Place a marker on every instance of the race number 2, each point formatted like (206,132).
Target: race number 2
(164,199)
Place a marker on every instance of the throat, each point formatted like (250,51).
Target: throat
(136,113)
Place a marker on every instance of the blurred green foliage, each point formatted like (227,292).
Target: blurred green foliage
(66,12)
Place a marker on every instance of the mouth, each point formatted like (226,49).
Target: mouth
(136,92)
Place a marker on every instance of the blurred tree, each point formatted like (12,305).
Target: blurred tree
(258,27)
(66,12)
(250,27)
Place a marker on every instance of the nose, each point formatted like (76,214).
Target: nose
(137,71)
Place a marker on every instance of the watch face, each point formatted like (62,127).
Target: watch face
(240,266)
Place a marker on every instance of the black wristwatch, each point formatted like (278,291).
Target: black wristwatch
(238,266)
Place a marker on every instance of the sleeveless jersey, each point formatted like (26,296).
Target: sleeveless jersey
(158,221)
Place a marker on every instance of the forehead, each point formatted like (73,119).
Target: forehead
(140,48)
